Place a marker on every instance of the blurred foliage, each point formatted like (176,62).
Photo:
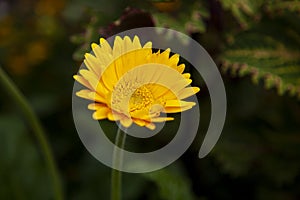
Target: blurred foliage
(257,156)
(184,16)
(244,11)
(172,184)
(23,175)
(27,29)
(270,50)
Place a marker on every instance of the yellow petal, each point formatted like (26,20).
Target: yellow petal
(148,45)
(178,103)
(104,58)
(157,90)
(113,116)
(139,122)
(186,75)
(140,114)
(84,94)
(156,109)
(118,64)
(150,125)
(126,121)
(165,55)
(174,59)
(95,106)
(101,90)
(161,119)
(101,113)
(180,84)
(128,46)
(168,95)
(136,42)
(176,109)
(105,45)
(82,81)
(93,64)
(124,63)
(90,77)
(181,68)
(117,50)
(109,77)
(187,92)
(174,88)
(96,97)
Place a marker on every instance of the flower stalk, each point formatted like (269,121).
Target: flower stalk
(116,175)
(37,128)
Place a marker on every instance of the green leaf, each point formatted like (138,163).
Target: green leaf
(22,172)
(162,0)
(270,52)
(293,5)
(243,10)
(261,141)
(172,185)
(248,11)
(189,18)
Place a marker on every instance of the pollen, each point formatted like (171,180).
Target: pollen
(142,98)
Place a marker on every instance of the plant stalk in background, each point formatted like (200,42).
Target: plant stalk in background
(37,128)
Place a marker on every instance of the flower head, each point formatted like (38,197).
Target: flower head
(131,84)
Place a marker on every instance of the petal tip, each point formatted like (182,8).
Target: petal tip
(94,46)
(102,40)
(196,89)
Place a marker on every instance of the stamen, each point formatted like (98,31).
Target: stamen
(130,96)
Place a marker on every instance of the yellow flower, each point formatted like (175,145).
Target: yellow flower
(131,84)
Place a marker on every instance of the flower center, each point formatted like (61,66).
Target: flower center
(142,98)
(130,97)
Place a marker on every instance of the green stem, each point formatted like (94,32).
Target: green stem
(116,175)
(20,100)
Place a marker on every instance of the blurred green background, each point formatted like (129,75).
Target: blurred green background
(256,45)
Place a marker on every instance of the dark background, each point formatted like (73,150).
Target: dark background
(256,47)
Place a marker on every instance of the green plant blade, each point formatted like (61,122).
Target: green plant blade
(268,52)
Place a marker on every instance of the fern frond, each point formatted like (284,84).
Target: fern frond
(189,18)
(243,10)
(291,5)
(271,52)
